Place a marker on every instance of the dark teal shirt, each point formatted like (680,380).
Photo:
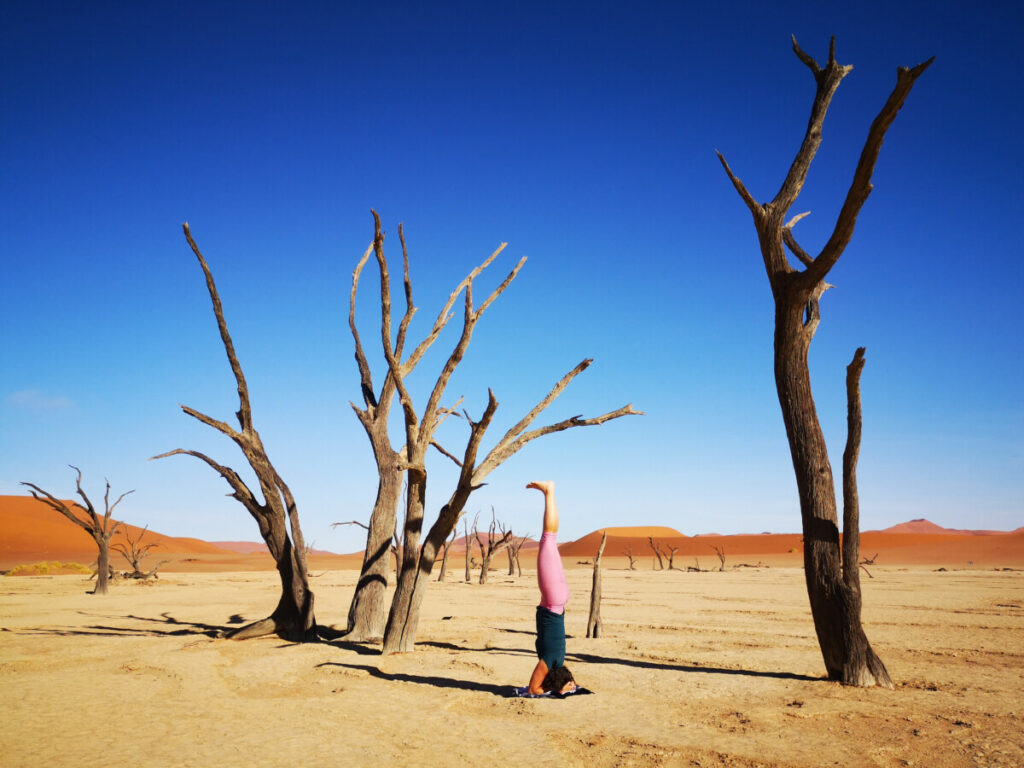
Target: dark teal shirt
(550,637)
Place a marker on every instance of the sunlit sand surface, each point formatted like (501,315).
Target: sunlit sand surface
(695,669)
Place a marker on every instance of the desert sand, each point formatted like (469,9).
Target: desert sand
(695,669)
(708,668)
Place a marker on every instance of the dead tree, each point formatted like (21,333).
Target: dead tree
(672,557)
(594,626)
(514,547)
(277,515)
(656,548)
(367,613)
(831,576)
(418,556)
(444,556)
(492,546)
(101,529)
(469,547)
(720,551)
(134,551)
(632,559)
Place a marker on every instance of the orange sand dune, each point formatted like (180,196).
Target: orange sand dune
(33,532)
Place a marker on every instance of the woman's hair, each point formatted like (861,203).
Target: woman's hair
(557,678)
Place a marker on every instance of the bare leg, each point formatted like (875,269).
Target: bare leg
(547,487)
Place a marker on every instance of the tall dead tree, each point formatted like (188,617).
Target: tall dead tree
(594,625)
(469,547)
(656,548)
(367,614)
(835,605)
(418,552)
(492,546)
(514,548)
(444,555)
(720,551)
(100,529)
(277,514)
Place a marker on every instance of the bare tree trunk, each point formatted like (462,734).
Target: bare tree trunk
(632,559)
(367,612)
(469,554)
(102,565)
(277,515)
(594,625)
(835,603)
(444,557)
(672,557)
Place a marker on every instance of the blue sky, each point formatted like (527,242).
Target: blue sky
(584,135)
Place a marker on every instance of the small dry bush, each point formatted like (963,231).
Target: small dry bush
(53,567)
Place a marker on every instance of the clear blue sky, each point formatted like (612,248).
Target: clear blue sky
(583,134)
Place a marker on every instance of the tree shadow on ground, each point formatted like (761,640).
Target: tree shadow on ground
(504,691)
(589,658)
(170,627)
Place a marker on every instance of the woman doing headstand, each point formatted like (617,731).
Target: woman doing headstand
(550,674)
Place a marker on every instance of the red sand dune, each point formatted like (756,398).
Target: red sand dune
(920,525)
(33,532)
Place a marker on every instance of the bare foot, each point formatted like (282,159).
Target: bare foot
(544,486)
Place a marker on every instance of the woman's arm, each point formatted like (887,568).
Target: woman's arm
(539,673)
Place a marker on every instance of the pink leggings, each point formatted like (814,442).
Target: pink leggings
(554,591)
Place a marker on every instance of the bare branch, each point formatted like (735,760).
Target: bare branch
(365,377)
(503,450)
(791,243)
(470,319)
(245,410)
(241,490)
(861,186)
(755,207)
(445,314)
(445,453)
(59,506)
(220,426)
(351,522)
(410,309)
(808,59)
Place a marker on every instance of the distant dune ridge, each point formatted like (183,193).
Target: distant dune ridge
(30,532)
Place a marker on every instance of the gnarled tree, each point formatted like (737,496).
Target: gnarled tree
(594,625)
(276,514)
(493,545)
(100,529)
(419,553)
(834,598)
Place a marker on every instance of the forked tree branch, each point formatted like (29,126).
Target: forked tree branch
(515,438)
(861,186)
(827,80)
